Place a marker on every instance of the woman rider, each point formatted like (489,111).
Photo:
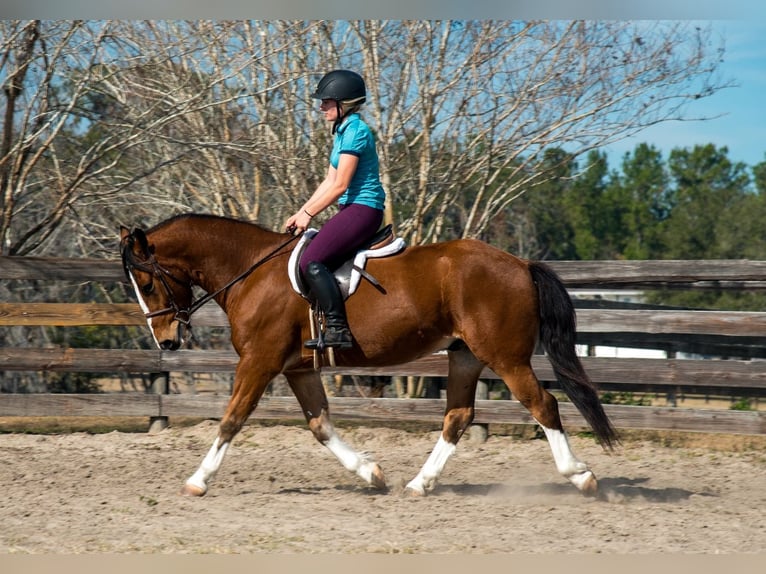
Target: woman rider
(353,181)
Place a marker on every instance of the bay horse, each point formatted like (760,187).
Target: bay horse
(482,305)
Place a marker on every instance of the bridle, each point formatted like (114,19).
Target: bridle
(156,270)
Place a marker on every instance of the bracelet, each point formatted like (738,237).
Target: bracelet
(306,211)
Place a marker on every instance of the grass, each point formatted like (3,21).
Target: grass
(91,425)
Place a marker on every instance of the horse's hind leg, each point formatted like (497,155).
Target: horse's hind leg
(464,371)
(308,389)
(543,407)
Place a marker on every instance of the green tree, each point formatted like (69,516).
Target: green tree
(538,223)
(709,189)
(716,214)
(644,199)
(759,178)
(590,210)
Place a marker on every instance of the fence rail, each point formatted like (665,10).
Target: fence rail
(702,274)
(657,374)
(737,334)
(374,410)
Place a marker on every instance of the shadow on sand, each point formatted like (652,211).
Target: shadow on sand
(610,490)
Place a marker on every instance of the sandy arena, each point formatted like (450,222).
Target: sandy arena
(281,492)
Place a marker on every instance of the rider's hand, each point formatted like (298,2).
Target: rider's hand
(298,221)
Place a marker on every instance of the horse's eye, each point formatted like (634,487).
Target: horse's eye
(147,289)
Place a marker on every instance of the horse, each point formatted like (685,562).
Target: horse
(483,306)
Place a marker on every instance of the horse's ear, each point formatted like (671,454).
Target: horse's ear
(126,239)
(126,246)
(143,241)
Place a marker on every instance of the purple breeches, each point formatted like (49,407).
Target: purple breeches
(342,235)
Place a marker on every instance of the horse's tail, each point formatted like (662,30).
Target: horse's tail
(558,337)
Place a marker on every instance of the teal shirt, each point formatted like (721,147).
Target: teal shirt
(355,137)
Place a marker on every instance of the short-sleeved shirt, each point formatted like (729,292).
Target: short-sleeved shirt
(355,137)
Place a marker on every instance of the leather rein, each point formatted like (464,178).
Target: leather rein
(183,315)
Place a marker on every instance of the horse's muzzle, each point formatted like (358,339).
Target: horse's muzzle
(174,337)
(170,344)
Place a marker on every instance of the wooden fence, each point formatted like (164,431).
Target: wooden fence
(739,336)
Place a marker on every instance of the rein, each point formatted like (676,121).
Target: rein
(204,299)
(184,315)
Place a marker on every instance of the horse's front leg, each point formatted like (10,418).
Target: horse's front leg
(197,484)
(464,371)
(308,389)
(249,384)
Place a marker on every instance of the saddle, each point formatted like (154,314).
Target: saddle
(383,244)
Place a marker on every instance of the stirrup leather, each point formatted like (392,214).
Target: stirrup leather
(321,351)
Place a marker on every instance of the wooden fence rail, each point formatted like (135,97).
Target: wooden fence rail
(374,410)
(702,274)
(737,334)
(626,373)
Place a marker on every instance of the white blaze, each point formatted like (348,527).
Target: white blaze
(144,306)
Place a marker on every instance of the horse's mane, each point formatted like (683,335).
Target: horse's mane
(204,216)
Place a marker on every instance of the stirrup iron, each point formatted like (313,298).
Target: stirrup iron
(316,322)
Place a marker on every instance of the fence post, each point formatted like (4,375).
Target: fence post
(670,396)
(478,432)
(160,385)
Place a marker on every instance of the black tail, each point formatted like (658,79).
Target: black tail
(558,337)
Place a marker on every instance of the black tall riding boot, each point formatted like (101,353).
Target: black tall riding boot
(324,287)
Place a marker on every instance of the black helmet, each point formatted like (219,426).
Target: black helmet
(341,85)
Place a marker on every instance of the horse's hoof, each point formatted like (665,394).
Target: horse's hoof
(412,493)
(378,479)
(192,490)
(585,482)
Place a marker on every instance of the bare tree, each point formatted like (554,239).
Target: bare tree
(108,119)
(141,118)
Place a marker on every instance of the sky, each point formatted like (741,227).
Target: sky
(741,126)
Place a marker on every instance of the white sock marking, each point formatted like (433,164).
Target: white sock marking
(349,458)
(210,465)
(433,467)
(566,462)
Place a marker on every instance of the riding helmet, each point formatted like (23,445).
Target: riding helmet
(341,86)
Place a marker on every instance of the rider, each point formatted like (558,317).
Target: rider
(353,180)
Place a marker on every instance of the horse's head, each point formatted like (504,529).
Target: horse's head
(165,297)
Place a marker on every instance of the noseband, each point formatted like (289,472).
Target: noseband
(183,315)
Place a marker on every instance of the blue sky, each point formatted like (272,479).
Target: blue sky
(742,125)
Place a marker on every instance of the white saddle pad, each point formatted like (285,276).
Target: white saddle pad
(360,260)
